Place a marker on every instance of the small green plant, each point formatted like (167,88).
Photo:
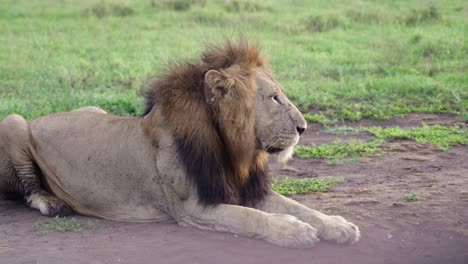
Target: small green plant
(316,118)
(441,136)
(63,225)
(338,150)
(412,197)
(289,186)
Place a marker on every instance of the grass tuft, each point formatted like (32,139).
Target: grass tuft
(318,118)
(412,197)
(289,186)
(440,136)
(339,150)
(63,225)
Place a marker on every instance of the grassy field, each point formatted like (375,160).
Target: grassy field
(338,60)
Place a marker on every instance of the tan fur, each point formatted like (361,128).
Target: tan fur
(196,162)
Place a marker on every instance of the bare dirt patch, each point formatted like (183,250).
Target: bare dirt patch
(434,230)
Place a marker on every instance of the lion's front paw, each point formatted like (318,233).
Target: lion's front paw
(338,229)
(287,231)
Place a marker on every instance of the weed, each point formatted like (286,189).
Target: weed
(289,186)
(339,150)
(63,225)
(412,197)
(441,136)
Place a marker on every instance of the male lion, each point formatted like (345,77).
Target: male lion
(197,155)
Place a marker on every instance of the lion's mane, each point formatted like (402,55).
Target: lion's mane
(215,142)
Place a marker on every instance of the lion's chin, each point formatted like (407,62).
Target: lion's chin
(285,154)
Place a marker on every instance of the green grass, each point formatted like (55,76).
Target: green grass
(441,136)
(63,225)
(289,186)
(412,197)
(338,60)
(339,150)
(347,153)
(464,118)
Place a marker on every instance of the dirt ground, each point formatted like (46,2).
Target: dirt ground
(434,230)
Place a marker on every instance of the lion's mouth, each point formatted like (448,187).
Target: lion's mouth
(274,150)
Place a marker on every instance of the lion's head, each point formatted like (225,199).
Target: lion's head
(278,122)
(226,114)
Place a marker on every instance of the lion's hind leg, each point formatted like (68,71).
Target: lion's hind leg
(19,174)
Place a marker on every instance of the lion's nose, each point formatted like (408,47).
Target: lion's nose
(300,130)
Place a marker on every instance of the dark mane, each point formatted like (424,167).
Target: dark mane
(220,157)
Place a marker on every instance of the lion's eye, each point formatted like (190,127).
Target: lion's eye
(276,99)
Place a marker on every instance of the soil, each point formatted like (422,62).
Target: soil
(434,230)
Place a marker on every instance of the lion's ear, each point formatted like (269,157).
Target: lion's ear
(216,83)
